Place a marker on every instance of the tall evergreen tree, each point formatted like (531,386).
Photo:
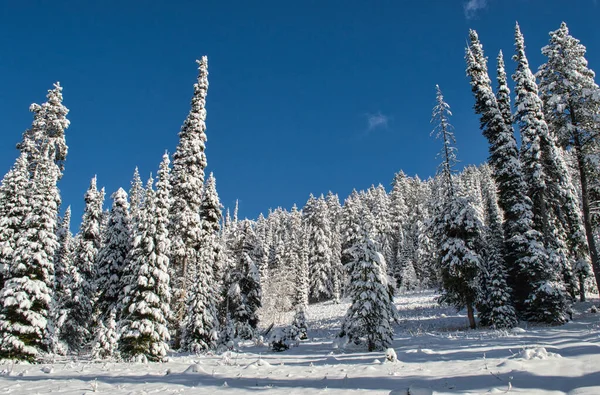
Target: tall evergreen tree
(494,301)
(112,256)
(523,244)
(145,307)
(298,255)
(25,300)
(242,285)
(571,103)
(46,137)
(62,260)
(63,273)
(546,175)
(136,195)
(200,327)
(369,317)
(319,250)
(337,269)
(398,225)
(110,262)
(13,211)
(459,229)
(503,91)
(189,162)
(443,131)
(77,329)
(461,243)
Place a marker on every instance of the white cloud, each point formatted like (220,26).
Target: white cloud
(378,120)
(471,7)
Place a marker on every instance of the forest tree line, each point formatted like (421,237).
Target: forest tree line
(513,239)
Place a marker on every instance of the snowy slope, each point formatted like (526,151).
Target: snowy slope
(436,354)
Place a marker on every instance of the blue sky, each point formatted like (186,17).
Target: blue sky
(305,96)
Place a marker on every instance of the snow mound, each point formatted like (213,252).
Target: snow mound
(47,369)
(390,355)
(413,391)
(256,364)
(420,351)
(536,353)
(194,368)
(517,331)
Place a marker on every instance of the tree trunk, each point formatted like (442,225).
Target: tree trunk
(586,209)
(471,315)
(581,288)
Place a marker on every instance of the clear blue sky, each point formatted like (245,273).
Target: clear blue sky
(305,96)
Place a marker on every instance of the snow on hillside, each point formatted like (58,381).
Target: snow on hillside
(436,355)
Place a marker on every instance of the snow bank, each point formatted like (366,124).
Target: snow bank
(536,353)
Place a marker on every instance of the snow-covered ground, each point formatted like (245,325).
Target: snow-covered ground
(436,354)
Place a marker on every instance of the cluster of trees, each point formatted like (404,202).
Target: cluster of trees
(163,269)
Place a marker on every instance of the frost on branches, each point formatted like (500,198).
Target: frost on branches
(144,332)
(189,162)
(571,100)
(372,311)
(12,211)
(27,293)
(77,329)
(200,326)
(28,264)
(460,245)
(243,287)
(319,249)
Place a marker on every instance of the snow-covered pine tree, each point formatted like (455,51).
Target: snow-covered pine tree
(571,100)
(372,311)
(25,300)
(136,195)
(299,327)
(189,162)
(378,202)
(545,174)
(503,92)
(398,223)
(106,345)
(13,211)
(63,259)
(349,223)
(337,269)
(319,250)
(523,244)
(459,230)
(211,215)
(424,254)
(201,324)
(77,330)
(63,276)
(46,137)
(494,305)
(110,262)
(112,256)
(469,183)
(145,308)
(46,150)
(461,243)
(443,131)
(243,287)
(296,252)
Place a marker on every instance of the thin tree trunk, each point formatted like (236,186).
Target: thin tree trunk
(581,288)
(586,210)
(471,315)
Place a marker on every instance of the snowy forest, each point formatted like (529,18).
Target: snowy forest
(163,267)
